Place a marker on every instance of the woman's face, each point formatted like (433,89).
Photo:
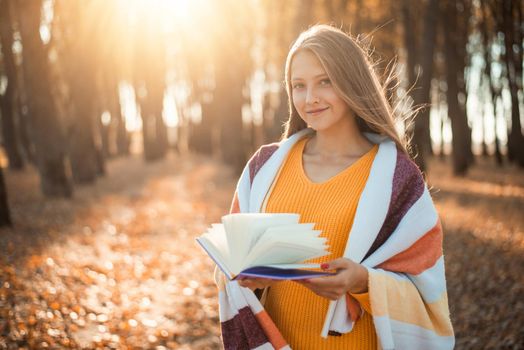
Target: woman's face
(314,97)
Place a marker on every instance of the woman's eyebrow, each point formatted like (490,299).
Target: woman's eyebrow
(321,75)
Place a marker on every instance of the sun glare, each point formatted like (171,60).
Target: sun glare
(163,12)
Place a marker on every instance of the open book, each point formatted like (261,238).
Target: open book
(264,245)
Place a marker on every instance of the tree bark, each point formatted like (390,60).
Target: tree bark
(459,125)
(206,126)
(5,216)
(513,60)
(46,127)
(150,71)
(26,144)
(421,57)
(79,58)
(493,93)
(461,42)
(281,114)
(115,109)
(7,100)
(228,94)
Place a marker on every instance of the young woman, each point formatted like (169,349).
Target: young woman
(342,165)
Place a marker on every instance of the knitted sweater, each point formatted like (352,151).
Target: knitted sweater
(331,205)
(401,247)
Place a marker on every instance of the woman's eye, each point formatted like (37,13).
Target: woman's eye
(325,82)
(297,86)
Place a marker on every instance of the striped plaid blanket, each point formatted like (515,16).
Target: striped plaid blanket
(396,235)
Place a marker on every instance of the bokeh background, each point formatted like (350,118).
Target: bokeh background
(125,124)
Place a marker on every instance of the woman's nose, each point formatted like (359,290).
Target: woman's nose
(311,96)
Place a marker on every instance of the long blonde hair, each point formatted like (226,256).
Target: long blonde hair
(351,72)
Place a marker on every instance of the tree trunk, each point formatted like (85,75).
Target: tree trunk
(118,120)
(410,42)
(493,94)
(46,127)
(301,21)
(513,61)
(421,96)
(150,71)
(483,143)
(206,126)
(114,134)
(498,152)
(5,217)
(7,100)
(279,117)
(78,55)
(27,146)
(228,94)
(461,40)
(459,124)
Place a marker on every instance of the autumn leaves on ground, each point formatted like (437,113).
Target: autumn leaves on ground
(117,267)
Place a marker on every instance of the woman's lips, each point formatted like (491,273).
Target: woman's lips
(316,111)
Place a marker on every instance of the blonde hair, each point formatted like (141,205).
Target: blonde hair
(351,72)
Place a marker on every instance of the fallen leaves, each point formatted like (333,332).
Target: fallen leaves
(483,248)
(125,274)
(118,268)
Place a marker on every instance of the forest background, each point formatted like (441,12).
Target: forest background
(125,124)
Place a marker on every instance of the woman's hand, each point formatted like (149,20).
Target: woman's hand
(255,283)
(350,278)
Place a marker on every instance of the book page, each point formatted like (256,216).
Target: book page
(216,255)
(244,230)
(280,252)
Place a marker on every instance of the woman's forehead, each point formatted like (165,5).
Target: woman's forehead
(306,65)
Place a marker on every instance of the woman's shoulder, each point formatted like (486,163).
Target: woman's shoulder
(260,157)
(406,169)
(408,182)
(407,188)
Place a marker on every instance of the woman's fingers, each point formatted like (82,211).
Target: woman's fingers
(255,283)
(332,287)
(340,263)
(329,293)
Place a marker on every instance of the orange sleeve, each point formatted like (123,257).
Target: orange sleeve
(235,205)
(363,300)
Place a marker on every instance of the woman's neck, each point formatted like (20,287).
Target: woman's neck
(345,141)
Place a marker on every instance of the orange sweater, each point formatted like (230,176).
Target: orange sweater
(297,312)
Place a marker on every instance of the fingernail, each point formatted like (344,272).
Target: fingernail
(324,266)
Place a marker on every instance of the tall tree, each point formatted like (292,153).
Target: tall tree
(10,127)
(302,19)
(149,82)
(112,53)
(79,57)
(232,67)
(511,25)
(110,91)
(5,216)
(278,34)
(454,68)
(46,127)
(420,67)
(494,91)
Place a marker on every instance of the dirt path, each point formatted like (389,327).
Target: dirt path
(117,267)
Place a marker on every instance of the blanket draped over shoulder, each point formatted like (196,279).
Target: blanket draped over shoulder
(396,235)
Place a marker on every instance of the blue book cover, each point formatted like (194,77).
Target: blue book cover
(281,274)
